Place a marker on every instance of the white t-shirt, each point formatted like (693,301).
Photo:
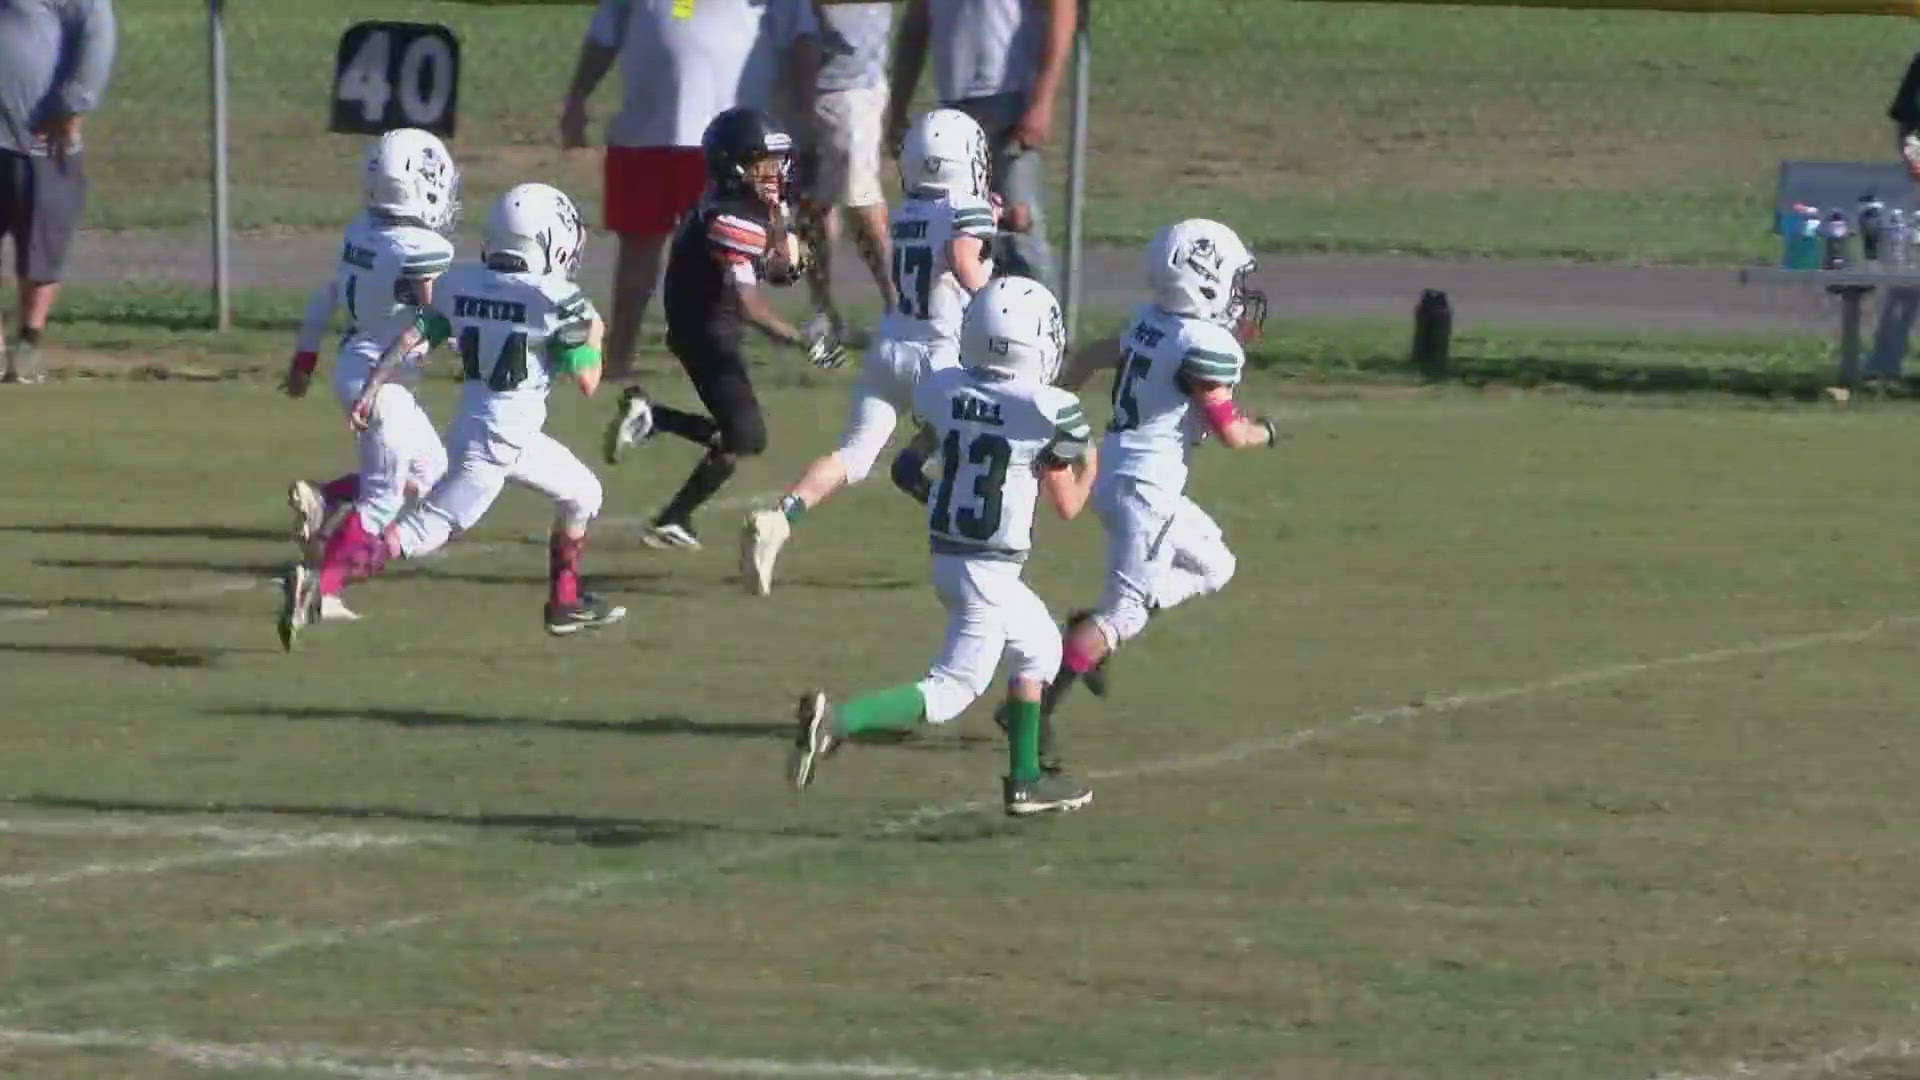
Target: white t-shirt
(684,62)
(985,47)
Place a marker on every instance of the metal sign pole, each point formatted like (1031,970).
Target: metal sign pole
(1077,168)
(217,77)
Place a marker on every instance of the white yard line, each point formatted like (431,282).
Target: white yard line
(1814,1067)
(227,1057)
(270,849)
(592,885)
(427,1064)
(100,827)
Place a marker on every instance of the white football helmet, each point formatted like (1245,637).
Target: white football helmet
(1199,268)
(945,150)
(538,224)
(1012,330)
(408,174)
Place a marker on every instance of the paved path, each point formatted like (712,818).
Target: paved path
(1507,292)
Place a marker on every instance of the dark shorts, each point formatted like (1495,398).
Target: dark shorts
(40,201)
(719,375)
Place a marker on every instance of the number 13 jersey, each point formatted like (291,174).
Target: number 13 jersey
(928,299)
(994,437)
(1155,425)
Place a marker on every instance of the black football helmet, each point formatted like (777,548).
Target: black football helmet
(731,144)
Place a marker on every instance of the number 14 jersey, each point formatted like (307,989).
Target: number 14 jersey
(928,299)
(994,437)
(514,332)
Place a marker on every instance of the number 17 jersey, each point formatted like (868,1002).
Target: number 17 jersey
(928,299)
(995,436)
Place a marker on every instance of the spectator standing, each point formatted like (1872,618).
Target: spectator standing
(1002,63)
(1899,306)
(843,151)
(55,57)
(682,63)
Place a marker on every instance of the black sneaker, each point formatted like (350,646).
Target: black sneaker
(671,534)
(588,614)
(1050,793)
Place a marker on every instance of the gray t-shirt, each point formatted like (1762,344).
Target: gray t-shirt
(55,56)
(985,47)
(856,38)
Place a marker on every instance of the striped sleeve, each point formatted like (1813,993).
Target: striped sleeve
(573,316)
(426,261)
(1209,365)
(736,239)
(1070,435)
(973,219)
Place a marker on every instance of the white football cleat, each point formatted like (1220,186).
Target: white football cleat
(632,424)
(812,738)
(765,534)
(309,512)
(670,534)
(334,609)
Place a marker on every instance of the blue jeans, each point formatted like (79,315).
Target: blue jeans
(1018,179)
(1897,310)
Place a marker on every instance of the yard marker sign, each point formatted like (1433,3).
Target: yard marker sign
(389,75)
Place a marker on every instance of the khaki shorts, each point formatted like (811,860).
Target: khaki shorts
(850,123)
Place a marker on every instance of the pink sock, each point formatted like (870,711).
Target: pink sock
(1079,659)
(563,569)
(341,489)
(352,554)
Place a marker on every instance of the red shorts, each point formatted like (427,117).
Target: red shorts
(649,187)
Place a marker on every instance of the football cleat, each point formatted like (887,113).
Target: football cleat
(309,512)
(632,424)
(588,614)
(1049,793)
(765,534)
(299,602)
(671,534)
(813,738)
(334,609)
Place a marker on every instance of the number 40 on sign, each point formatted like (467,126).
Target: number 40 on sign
(390,75)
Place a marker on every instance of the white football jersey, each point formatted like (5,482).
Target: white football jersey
(928,298)
(1155,425)
(993,436)
(508,329)
(381,264)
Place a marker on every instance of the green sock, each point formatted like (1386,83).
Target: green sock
(793,507)
(1023,741)
(891,709)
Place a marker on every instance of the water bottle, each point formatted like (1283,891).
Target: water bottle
(1834,256)
(1870,222)
(1800,236)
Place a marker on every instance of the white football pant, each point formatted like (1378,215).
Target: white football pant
(481,462)
(882,393)
(1162,549)
(398,450)
(991,613)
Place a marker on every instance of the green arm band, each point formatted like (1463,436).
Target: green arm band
(433,326)
(574,359)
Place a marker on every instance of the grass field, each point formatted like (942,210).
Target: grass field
(1539,736)
(1619,135)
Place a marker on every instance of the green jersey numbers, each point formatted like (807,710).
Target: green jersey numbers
(987,455)
(1126,397)
(913,279)
(508,369)
(996,438)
